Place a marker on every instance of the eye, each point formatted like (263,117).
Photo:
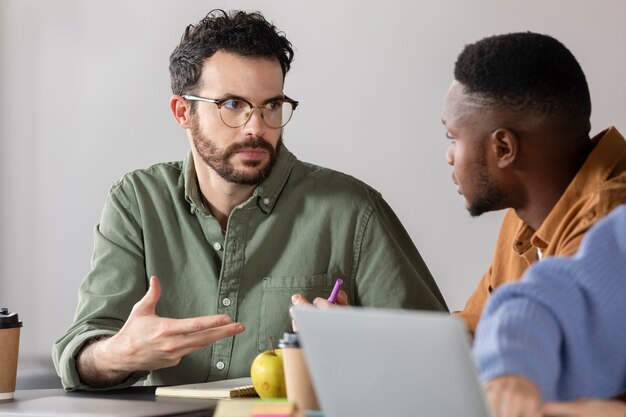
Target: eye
(234,104)
(274,105)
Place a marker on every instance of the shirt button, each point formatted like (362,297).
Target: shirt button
(267,201)
(226,301)
(220,365)
(217,246)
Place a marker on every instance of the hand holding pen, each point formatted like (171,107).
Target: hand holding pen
(337,297)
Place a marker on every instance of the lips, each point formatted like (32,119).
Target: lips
(252,148)
(252,153)
(458,188)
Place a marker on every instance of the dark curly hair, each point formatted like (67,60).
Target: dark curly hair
(239,32)
(529,72)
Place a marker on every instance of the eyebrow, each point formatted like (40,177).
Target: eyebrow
(238,97)
(278,97)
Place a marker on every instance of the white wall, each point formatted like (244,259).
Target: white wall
(84,99)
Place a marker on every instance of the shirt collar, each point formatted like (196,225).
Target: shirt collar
(265,195)
(192,189)
(268,192)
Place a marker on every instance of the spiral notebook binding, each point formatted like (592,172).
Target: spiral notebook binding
(247,391)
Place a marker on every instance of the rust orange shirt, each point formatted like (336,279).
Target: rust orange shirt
(599,186)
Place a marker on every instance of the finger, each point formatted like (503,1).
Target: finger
(322,302)
(342,298)
(555,409)
(147,305)
(195,324)
(503,403)
(509,405)
(292,314)
(200,340)
(299,300)
(169,350)
(517,404)
(174,327)
(494,399)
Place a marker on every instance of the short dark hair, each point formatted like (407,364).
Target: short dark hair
(529,72)
(239,32)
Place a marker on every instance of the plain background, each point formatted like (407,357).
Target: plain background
(84,99)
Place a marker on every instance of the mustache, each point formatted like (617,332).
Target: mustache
(253,143)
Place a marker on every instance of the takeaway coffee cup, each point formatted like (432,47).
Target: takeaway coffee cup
(9,348)
(297,377)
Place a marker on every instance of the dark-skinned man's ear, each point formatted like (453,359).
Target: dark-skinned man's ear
(505,146)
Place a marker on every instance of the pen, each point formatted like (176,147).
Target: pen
(333,294)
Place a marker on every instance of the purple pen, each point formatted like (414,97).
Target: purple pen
(333,294)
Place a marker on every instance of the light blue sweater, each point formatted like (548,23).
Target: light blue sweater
(563,325)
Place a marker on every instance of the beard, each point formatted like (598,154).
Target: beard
(219,160)
(490,196)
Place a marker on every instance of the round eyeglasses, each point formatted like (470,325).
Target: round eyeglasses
(235,112)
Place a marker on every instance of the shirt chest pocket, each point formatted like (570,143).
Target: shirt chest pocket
(276,301)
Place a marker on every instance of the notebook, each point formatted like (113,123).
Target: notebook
(228,388)
(371,363)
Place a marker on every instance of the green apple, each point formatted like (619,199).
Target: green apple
(268,376)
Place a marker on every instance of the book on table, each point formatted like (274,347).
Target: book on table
(228,388)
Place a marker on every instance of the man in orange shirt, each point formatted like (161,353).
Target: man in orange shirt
(517,116)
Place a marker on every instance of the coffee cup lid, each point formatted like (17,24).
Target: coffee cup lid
(289,340)
(8,319)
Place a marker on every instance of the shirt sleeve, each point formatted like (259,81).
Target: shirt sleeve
(389,270)
(475,304)
(519,336)
(107,294)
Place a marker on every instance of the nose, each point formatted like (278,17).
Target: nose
(255,126)
(450,155)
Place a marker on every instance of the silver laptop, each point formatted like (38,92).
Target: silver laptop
(372,363)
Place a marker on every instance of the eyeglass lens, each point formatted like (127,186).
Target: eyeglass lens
(236,113)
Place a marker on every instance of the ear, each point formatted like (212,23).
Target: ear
(181,110)
(505,146)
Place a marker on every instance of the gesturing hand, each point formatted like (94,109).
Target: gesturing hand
(147,341)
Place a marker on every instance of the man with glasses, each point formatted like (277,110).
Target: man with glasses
(235,233)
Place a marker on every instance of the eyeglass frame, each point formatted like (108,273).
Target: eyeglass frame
(220,101)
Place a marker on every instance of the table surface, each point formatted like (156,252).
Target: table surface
(181,406)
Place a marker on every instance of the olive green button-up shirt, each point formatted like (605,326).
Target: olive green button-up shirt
(302,228)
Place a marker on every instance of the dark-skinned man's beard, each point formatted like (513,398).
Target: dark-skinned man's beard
(490,196)
(219,160)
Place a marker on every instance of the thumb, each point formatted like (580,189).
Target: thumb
(342,298)
(147,305)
